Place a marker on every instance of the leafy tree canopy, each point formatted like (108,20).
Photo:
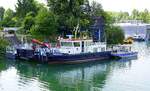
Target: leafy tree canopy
(135,15)
(45,26)
(2,11)
(8,20)
(114,35)
(25,6)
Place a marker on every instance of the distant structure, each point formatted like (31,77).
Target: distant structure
(7,29)
(131,21)
(148,33)
(97,28)
(11,37)
(133,27)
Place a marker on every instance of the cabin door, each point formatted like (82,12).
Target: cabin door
(82,46)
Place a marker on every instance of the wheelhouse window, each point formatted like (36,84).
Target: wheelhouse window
(76,44)
(103,49)
(67,44)
(88,43)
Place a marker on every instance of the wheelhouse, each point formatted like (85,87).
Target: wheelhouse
(76,46)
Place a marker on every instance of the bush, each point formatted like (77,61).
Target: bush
(3,44)
(114,35)
(45,26)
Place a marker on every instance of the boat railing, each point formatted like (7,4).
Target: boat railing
(119,48)
(24,46)
(99,43)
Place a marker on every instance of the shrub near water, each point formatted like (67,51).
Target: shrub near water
(3,44)
(115,35)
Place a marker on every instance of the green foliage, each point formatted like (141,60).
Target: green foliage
(145,16)
(97,9)
(1,28)
(62,17)
(114,35)
(60,7)
(9,13)
(28,22)
(135,15)
(45,25)
(2,11)
(3,45)
(8,20)
(25,6)
(69,13)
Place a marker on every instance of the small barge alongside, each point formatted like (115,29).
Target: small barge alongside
(123,51)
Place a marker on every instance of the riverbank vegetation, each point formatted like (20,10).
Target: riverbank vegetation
(135,15)
(3,44)
(114,38)
(58,18)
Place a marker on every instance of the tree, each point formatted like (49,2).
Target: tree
(65,6)
(2,11)
(8,20)
(123,16)
(97,9)
(28,22)
(145,16)
(3,45)
(114,35)
(45,26)
(135,14)
(25,6)
(9,13)
(69,14)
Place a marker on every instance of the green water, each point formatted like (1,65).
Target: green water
(110,75)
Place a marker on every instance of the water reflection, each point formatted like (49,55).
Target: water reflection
(23,76)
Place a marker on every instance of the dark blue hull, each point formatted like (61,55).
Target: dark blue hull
(65,58)
(10,56)
(139,40)
(125,55)
(79,58)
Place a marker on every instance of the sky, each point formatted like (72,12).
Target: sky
(124,5)
(108,5)
(11,3)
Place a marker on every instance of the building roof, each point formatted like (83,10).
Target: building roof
(131,24)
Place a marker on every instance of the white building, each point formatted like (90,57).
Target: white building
(133,27)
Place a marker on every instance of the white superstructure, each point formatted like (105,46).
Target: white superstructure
(77,46)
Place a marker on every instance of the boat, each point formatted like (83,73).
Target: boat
(123,51)
(138,38)
(67,51)
(11,52)
(70,49)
